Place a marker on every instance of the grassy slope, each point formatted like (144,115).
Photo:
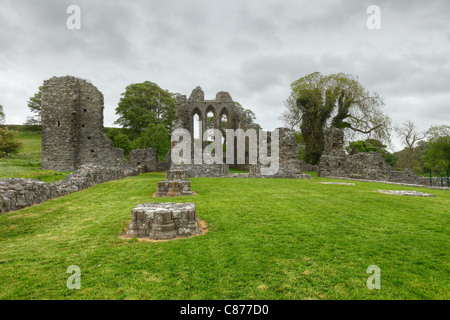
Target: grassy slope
(268,239)
(27,164)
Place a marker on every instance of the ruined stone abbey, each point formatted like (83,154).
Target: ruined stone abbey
(72,124)
(73,140)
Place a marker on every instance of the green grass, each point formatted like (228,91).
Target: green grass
(27,163)
(267,239)
(231,170)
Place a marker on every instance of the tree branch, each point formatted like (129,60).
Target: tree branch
(366,132)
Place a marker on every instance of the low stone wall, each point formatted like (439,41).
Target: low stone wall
(407,176)
(437,182)
(20,193)
(203,170)
(147,159)
(285,171)
(307,167)
(369,166)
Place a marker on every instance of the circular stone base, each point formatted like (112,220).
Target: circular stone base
(406,193)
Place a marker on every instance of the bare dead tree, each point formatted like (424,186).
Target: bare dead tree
(410,135)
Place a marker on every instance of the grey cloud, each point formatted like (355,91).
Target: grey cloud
(253,49)
(262,71)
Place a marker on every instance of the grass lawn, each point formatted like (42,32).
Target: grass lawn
(27,163)
(231,170)
(267,239)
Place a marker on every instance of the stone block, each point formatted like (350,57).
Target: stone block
(163,221)
(176,184)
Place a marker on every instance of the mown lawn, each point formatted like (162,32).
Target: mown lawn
(267,239)
(27,163)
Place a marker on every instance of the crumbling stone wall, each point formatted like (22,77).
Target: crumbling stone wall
(72,126)
(20,193)
(147,159)
(366,165)
(307,167)
(185,111)
(203,170)
(289,165)
(288,155)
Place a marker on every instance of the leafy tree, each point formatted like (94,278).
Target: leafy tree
(361,146)
(437,156)
(435,132)
(143,104)
(390,158)
(420,165)
(372,145)
(123,142)
(155,136)
(2,115)
(403,159)
(338,100)
(247,117)
(410,135)
(301,145)
(35,106)
(111,133)
(8,142)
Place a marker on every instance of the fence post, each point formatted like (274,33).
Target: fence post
(431,179)
(448,179)
(442,181)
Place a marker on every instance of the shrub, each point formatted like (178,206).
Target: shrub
(8,142)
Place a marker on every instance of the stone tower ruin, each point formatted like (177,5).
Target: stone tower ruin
(72,126)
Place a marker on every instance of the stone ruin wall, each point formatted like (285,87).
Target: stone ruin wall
(185,111)
(147,159)
(16,194)
(72,126)
(73,140)
(289,165)
(73,132)
(365,165)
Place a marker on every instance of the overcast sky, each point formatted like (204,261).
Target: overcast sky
(252,49)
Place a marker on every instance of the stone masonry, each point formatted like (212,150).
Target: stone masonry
(176,184)
(72,126)
(147,159)
(223,104)
(185,111)
(73,133)
(20,193)
(364,166)
(289,166)
(163,221)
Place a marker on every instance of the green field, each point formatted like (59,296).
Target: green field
(267,239)
(27,163)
